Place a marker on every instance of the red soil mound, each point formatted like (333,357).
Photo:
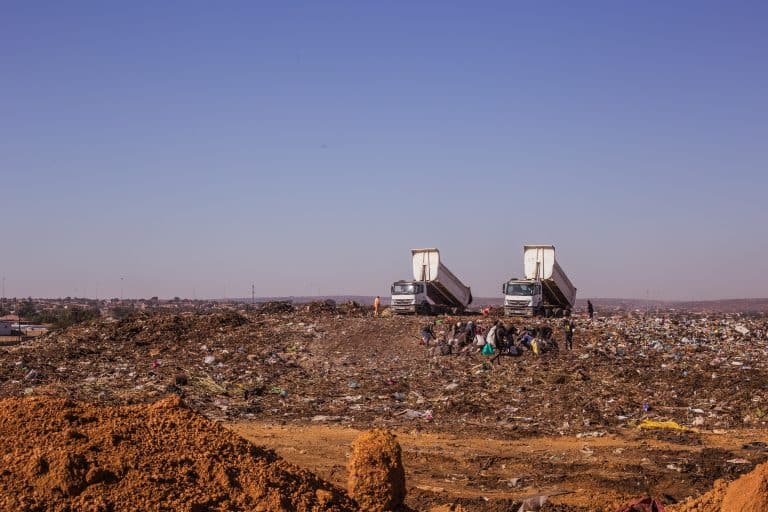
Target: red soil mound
(376,473)
(61,456)
(749,493)
(709,502)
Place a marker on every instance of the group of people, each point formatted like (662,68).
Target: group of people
(495,338)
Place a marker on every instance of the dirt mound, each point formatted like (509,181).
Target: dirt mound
(60,455)
(376,473)
(749,493)
(710,502)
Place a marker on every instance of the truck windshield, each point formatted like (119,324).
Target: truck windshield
(406,288)
(519,289)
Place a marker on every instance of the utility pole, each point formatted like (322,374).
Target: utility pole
(121,289)
(18,316)
(253,293)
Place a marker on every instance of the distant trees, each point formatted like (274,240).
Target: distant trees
(61,318)
(27,308)
(120,312)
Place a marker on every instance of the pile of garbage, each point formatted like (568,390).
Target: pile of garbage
(704,372)
(275,307)
(59,455)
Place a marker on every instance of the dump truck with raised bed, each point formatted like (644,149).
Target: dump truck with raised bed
(433,290)
(544,291)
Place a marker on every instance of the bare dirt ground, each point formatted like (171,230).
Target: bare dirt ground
(597,474)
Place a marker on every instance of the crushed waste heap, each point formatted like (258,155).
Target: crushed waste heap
(326,363)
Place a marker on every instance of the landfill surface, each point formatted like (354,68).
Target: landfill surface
(658,376)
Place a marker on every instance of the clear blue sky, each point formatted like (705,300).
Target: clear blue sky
(195,147)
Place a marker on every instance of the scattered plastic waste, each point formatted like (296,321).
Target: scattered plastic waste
(672,425)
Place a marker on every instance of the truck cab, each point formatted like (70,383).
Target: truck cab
(409,297)
(434,289)
(544,289)
(522,297)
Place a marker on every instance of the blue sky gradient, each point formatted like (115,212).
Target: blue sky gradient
(194,149)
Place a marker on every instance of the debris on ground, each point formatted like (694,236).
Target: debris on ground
(646,504)
(669,424)
(695,371)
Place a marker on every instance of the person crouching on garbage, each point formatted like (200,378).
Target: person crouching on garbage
(526,338)
(427,334)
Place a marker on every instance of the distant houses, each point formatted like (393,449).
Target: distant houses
(6,324)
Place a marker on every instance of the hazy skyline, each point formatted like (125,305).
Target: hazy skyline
(194,149)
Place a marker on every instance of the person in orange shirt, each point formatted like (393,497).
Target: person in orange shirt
(376,305)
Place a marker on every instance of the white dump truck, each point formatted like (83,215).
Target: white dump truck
(545,290)
(434,288)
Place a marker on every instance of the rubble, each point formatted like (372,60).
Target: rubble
(695,370)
